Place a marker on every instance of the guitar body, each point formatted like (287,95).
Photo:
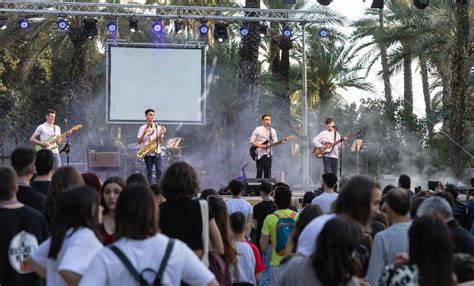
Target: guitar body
(253,151)
(51,143)
(319,152)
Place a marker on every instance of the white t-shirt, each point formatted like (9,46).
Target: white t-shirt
(183,265)
(245,264)
(239,205)
(75,255)
(326,136)
(307,239)
(151,135)
(45,131)
(262,134)
(325,201)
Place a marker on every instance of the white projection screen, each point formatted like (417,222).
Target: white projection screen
(168,79)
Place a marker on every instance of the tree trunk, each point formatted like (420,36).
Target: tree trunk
(446,81)
(274,49)
(426,96)
(408,85)
(385,71)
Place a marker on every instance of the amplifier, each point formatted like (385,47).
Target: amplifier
(253,183)
(103,158)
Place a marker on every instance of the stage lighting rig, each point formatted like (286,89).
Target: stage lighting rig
(220,32)
(244,30)
(133,25)
(157,27)
(421,4)
(23,23)
(89,28)
(287,32)
(3,22)
(324,2)
(263,30)
(203,29)
(377,4)
(323,33)
(178,25)
(62,24)
(112,27)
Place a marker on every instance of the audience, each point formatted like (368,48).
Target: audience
(459,208)
(404,182)
(158,192)
(137,178)
(91,180)
(110,193)
(208,192)
(44,164)
(308,197)
(237,204)
(309,213)
(329,196)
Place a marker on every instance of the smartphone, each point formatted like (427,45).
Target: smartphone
(432,185)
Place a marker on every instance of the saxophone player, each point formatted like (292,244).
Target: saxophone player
(149,133)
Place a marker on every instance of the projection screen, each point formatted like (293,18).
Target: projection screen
(168,79)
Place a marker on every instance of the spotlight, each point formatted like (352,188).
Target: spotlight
(133,25)
(377,4)
(112,27)
(89,28)
(157,27)
(244,30)
(23,22)
(324,2)
(62,24)
(3,23)
(421,4)
(263,30)
(323,33)
(203,29)
(220,32)
(287,32)
(178,26)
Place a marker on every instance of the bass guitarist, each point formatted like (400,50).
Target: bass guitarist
(48,130)
(259,136)
(330,135)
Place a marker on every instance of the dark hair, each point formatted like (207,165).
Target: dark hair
(64,178)
(149,110)
(179,181)
(415,204)
(464,267)
(329,179)
(91,180)
(398,200)
(219,208)
(156,189)
(50,111)
(236,187)
(265,188)
(238,221)
(136,203)
(447,196)
(282,197)
(117,180)
(78,207)
(208,192)
(22,158)
(431,249)
(7,183)
(308,198)
(355,198)
(453,190)
(328,120)
(309,213)
(44,162)
(404,181)
(333,261)
(265,115)
(137,178)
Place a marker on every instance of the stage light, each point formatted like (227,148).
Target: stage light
(133,25)
(178,26)
(220,32)
(23,23)
(287,32)
(263,30)
(244,30)
(203,29)
(323,33)
(3,23)
(377,4)
(111,27)
(157,27)
(421,4)
(62,24)
(324,2)
(89,28)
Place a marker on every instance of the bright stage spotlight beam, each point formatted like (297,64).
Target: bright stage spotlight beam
(112,27)
(287,32)
(62,24)
(157,27)
(23,23)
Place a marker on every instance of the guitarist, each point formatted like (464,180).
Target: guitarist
(264,156)
(46,131)
(329,135)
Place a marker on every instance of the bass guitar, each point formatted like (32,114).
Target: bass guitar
(52,141)
(253,149)
(327,147)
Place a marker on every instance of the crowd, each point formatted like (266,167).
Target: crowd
(66,228)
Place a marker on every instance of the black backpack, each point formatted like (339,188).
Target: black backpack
(148,276)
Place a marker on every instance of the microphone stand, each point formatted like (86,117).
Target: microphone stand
(340,155)
(67,147)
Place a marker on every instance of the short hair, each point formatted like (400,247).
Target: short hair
(265,115)
(329,179)
(91,180)
(464,267)
(179,181)
(22,158)
(50,111)
(404,181)
(115,179)
(265,188)
(44,162)
(149,110)
(328,120)
(7,183)
(398,200)
(453,190)
(437,205)
(308,198)
(236,187)
(208,192)
(237,222)
(282,197)
(135,204)
(137,178)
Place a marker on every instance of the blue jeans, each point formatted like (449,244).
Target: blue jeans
(267,257)
(56,161)
(330,165)
(149,162)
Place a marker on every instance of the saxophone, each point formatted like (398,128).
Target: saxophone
(150,147)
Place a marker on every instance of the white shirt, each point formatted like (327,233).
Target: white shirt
(326,136)
(45,131)
(325,201)
(307,239)
(239,205)
(262,134)
(75,255)
(245,264)
(151,135)
(183,265)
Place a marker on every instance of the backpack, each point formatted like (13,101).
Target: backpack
(284,227)
(148,276)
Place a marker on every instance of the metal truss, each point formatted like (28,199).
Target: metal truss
(160,11)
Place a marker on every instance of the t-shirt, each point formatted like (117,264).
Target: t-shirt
(307,239)
(259,265)
(269,228)
(181,219)
(30,197)
(77,251)
(325,201)
(151,136)
(326,136)
(106,237)
(22,230)
(45,131)
(260,212)
(41,186)
(183,264)
(239,205)
(245,264)
(262,134)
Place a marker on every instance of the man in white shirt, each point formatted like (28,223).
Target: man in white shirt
(46,132)
(327,198)
(237,204)
(262,136)
(327,137)
(147,133)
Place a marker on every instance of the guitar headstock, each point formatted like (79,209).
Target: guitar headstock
(290,138)
(76,127)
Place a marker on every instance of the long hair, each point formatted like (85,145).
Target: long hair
(117,180)
(78,207)
(64,178)
(219,208)
(431,249)
(333,261)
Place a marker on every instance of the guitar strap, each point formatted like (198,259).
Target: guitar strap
(271,140)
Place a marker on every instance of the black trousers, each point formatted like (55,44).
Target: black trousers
(264,166)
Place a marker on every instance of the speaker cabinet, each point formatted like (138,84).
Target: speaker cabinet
(103,158)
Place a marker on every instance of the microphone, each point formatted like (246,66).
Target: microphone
(65,120)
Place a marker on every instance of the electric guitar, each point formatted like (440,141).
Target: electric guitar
(327,147)
(53,140)
(253,149)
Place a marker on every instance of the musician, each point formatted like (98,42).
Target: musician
(329,135)
(259,136)
(45,132)
(147,133)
